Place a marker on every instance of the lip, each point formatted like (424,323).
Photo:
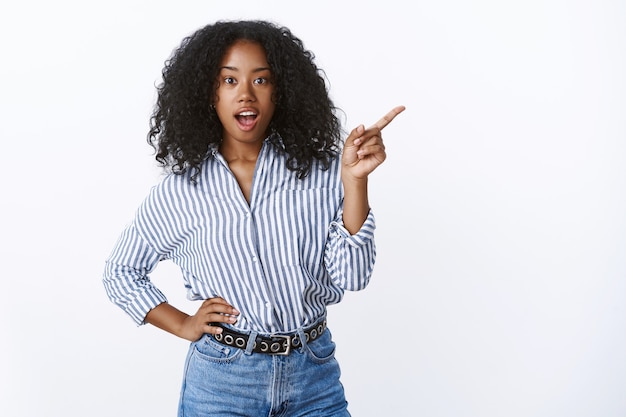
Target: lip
(246,109)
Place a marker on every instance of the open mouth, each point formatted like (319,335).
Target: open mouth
(246,119)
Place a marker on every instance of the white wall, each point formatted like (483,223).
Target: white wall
(501,208)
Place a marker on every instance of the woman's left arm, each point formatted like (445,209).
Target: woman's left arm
(363,152)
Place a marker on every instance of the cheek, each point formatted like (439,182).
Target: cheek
(271,101)
(221,111)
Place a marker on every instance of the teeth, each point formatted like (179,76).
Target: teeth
(246,113)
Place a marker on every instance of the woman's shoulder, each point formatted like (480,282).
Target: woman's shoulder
(173,185)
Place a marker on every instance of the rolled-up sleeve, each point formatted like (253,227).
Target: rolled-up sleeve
(350,258)
(126,275)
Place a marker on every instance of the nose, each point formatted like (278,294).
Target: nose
(246,92)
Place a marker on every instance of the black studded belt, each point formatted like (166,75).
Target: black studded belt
(276,344)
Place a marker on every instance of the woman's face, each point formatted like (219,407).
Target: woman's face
(244,93)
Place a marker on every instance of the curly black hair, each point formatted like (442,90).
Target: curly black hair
(184,126)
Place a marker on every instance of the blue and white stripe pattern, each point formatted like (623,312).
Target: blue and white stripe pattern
(279,260)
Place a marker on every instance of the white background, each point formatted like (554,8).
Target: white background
(501,277)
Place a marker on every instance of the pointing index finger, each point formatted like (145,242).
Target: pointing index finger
(388,117)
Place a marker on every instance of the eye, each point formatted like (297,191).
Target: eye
(261,81)
(229,80)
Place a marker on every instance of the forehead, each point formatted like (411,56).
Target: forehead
(244,54)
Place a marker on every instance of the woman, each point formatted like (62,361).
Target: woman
(268,220)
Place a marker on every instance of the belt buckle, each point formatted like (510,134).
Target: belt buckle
(287,343)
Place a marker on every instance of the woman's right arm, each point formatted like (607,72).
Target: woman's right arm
(127,283)
(172,320)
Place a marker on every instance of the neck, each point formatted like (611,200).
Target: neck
(240,151)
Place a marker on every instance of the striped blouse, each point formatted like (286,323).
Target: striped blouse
(279,260)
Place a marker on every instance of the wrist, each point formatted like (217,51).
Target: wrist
(350,181)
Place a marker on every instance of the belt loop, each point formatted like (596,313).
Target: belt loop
(301,336)
(251,342)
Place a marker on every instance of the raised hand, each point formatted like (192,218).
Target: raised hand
(364,149)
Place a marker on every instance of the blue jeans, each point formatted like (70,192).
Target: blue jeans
(224,381)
